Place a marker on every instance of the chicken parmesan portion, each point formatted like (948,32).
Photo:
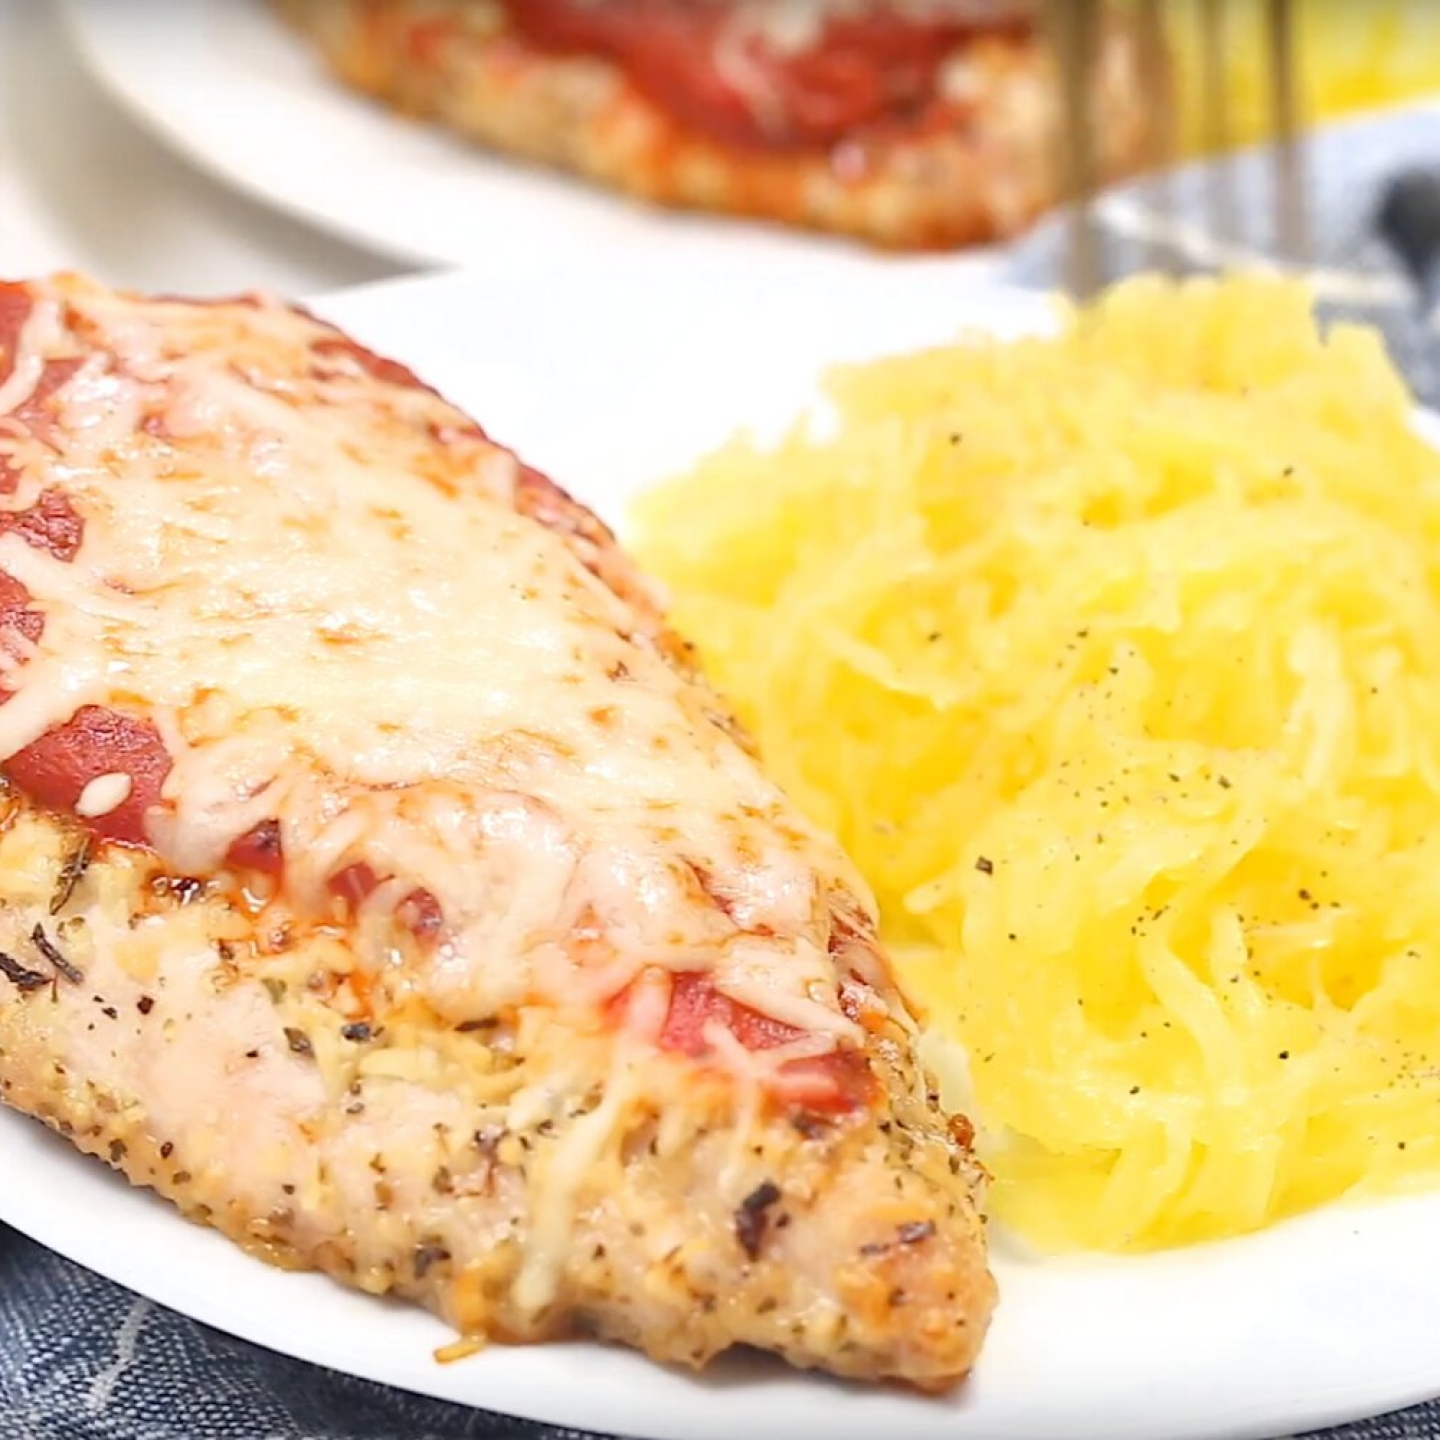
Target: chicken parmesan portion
(381,882)
(905,123)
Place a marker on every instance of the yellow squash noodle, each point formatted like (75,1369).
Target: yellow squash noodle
(1114,659)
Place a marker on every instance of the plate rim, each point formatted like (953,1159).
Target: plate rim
(86,24)
(360,309)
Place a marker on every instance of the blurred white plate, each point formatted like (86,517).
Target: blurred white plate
(610,377)
(227,83)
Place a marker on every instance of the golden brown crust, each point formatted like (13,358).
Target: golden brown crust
(856,1245)
(986,177)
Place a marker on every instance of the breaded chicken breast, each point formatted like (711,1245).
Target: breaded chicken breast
(909,124)
(381,883)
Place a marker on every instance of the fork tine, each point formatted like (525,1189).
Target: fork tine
(1291,219)
(1074,29)
(1155,72)
(1157,76)
(1214,91)
(1216,129)
(1281,38)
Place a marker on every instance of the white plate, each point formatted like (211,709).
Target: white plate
(225,82)
(610,379)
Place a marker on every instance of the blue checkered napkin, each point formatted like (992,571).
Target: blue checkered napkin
(81,1359)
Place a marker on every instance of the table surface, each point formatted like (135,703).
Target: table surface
(82,186)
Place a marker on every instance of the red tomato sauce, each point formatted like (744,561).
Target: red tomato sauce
(37,412)
(419,911)
(829,1083)
(15,611)
(863,69)
(52,523)
(34,413)
(15,306)
(260,849)
(55,769)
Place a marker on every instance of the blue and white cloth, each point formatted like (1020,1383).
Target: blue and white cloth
(81,1359)
(1207,217)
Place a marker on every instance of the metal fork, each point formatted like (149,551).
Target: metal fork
(1076,28)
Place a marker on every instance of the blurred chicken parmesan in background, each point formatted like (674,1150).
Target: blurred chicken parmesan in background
(906,123)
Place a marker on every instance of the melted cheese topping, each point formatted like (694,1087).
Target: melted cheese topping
(103,794)
(584,1147)
(338,622)
(791,27)
(795,27)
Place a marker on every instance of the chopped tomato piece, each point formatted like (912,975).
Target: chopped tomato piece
(52,523)
(259,849)
(35,411)
(836,1082)
(15,307)
(830,1084)
(15,612)
(353,883)
(96,742)
(421,914)
(694,1002)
